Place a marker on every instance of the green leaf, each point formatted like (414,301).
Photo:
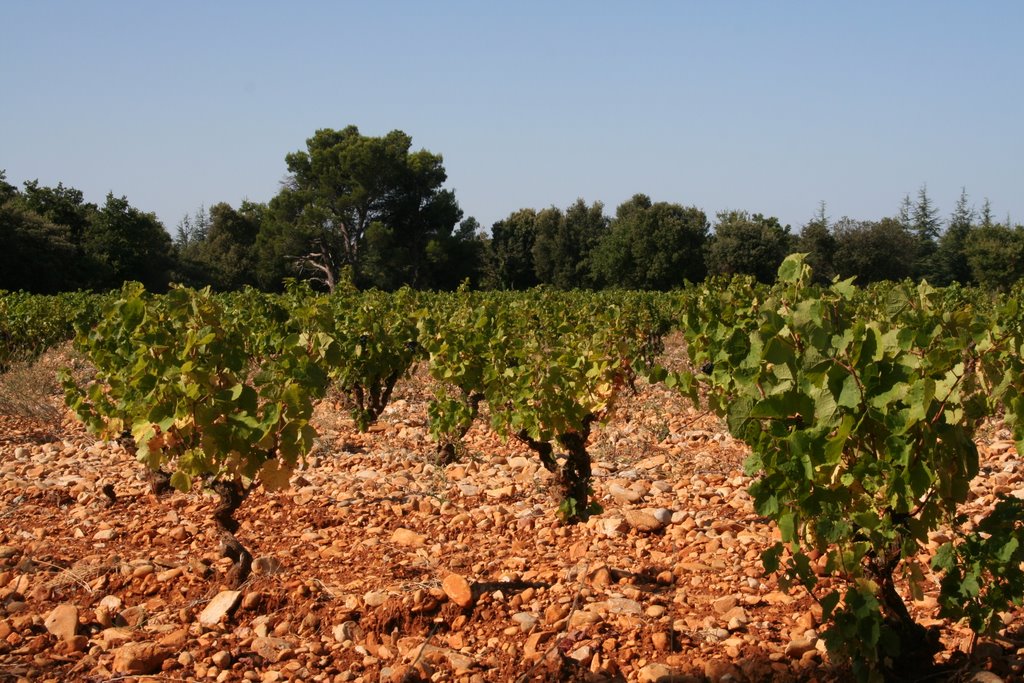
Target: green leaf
(181,481)
(944,558)
(828,605)
(787,526)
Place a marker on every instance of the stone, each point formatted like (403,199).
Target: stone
(655,611)
(458,590)
(72,645)
(133,616)
(169,574)
(799,646)
(723,605)
(266,565)
(63,621)
(408,538)
(642,520)
(624,495)
(985,677)
(111,637)
(527,622)
(111,603)
(272,649)
(460,663)
(532,649)
(601,578)
(653,673)
(175,640)
(139,658)
(582,654)
(663,515)
(374,598)
(623,606)
(221,659)
(613,527)
(555,613)
(348,630)
(661,640)
(219,607)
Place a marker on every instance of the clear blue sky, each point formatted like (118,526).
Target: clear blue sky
(764,106)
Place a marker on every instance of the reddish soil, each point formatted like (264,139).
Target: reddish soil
(349,581)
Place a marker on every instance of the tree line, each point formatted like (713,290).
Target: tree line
(372,212)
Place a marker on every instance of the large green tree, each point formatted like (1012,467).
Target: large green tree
(565,243)
(510,252)
(61,206)
(996,255)
(872,251)
(37,255)
(652,245)
(128,244)
(343,184)
(751,244)
(218,248)
(45,229)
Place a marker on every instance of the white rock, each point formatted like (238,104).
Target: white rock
(614,526)
(219,607)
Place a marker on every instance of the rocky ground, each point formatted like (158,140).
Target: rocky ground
(378,565)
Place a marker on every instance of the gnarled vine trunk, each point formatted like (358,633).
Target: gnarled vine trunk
(232,495)
(574,474)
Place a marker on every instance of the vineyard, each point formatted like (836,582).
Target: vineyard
(728,482)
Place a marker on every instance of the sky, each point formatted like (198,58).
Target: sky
(769,107)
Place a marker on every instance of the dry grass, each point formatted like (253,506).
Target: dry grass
(30,389)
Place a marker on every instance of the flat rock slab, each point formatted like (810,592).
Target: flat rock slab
(140,658)
(218,608)
(63,621)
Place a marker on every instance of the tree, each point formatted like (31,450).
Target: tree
(346,182)
(7,191)
(457,258)
(927,227)
(510,252)
(546,250)
(37,255)
(652,246)
(67,213)
(906,213)
(61,206)
(872,251)
(748,244)
(219,248)
(128,244)
(192,229)
(951,254)
(818,242)
(996,255)
(563,249)
(986,214)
